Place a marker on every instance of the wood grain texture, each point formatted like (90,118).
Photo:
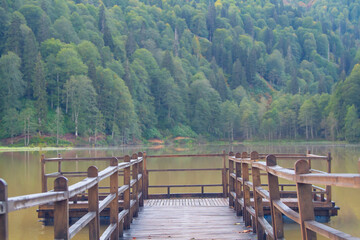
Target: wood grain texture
(207,221)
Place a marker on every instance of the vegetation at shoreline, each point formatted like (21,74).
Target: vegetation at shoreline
(92,72)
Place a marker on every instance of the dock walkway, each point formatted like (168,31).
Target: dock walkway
(200,218)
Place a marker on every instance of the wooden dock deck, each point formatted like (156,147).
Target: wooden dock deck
(201,218)
(250,186)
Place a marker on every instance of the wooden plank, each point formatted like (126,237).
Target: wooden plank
(328,232)
(81,223)
(287,211)
(31,200)
(188,222)
(108,231)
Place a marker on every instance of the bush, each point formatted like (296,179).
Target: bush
(183,131)
(152,133)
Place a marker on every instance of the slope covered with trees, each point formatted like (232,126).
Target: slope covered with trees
(142,69)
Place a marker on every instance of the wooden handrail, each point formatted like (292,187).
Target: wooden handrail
(62,193)
(303,177)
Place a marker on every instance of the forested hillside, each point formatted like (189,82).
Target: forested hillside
(140,69)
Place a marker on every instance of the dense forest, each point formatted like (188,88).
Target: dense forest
(124,71)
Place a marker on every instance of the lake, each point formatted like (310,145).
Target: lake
(21,170)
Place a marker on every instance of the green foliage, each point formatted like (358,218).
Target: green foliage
(144,69)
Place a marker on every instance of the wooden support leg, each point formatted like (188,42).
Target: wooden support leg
(94,225)
(61,211)
(306,207)
(3,211)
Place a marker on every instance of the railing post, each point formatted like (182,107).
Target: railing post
(231,180)
(127,220)
(253,156)
(224,177)
(308,152)
(328,188)
(276,216)
(305,203)
(94,225)
(259,210)
(135,193)
(246,193)
(4,235)
(59,163)
(141,182)
(146,177)
(43,177)
(238,186)
(61,210)
(114,204)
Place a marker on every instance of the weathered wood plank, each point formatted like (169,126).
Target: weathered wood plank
(187,222)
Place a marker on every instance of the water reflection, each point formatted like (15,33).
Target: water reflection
(21,170)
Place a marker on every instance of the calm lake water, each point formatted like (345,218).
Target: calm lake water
(21,170)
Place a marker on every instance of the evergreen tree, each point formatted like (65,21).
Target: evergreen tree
(39,90)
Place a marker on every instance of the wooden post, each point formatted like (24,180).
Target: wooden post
(238,186)
(246,193)
(4,235)
(224,176)
(61,210)
(59,163)
(146,178)
(141,182)
(276,216)
(43,177)
(127,220)
(93,198)
(231,180)
(253,157)
(305,203)
(135,192)
(328,188)
(308,152)
(114,204)
(259,211)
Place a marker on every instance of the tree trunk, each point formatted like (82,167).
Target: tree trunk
(76,124)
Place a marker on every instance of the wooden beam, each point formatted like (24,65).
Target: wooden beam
(246,192)
(61,211)
(259,209)
(231,180)
(306,207)
(127,219)
(238,187)
(4,235)
(276,216)
(93,199)
(223,174)
(43,177)
(114,207)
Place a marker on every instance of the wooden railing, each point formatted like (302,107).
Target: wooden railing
(240,189)
(62,194)
(201,187)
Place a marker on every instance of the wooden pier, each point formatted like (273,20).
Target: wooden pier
(199,218)
(249,190)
